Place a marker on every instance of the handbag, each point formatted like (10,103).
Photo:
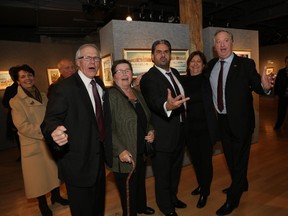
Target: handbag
(149,149)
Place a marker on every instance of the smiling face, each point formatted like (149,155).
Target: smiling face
(89,66)
(223,44)
(123,75)
(196,65)
(25,79)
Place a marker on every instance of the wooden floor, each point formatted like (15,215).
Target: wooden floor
(267,195)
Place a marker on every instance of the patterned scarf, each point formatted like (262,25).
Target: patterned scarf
(33,93)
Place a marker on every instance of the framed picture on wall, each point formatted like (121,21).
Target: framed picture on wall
(269,70)
(141,60)
(5,80)
(53,75)
(106,74)
(178,60)
(243,53)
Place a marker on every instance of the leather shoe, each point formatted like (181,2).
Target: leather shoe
(147,211)
(226,209)
(171,214)
(179,204)
(225,190)
(202,201)
(196,191)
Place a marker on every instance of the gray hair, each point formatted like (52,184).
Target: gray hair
(78,53)
(226,31)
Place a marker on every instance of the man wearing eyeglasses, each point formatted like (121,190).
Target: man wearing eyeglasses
(77,124)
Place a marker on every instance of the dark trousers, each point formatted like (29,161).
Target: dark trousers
(137,188)
(236,150)
(167,169)
(201,150)
(88,201)
(281,112)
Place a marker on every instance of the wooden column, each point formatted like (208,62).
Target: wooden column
(191,14)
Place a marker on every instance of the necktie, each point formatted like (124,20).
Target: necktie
(220,88)
(99,113)
(177,91)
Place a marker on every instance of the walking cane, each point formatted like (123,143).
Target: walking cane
(127,187)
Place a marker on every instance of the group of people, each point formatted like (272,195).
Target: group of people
(91,127)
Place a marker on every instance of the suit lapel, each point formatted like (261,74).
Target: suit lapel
(84,96)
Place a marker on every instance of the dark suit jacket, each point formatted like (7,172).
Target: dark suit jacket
(9,93)
(281,83)
(70,105)
(154,87)
(242,79)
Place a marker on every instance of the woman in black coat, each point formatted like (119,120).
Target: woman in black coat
(201,123)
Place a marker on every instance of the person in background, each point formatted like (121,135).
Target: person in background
(10,92)
(38,167)
(131,129)
(201,123)
(233,101)
(165,100)
(66,68)
(281,90)
(78,124)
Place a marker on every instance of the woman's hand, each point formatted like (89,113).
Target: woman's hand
(150,136)
(125,157)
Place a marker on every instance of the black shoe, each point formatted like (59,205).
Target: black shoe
(179,204)
(202,201)
(226,209)
(225,190)
(59,200)
(196,191)
(147,211)
(171,214)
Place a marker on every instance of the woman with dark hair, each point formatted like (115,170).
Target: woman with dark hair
(131,131)
(201,123)
(38,167)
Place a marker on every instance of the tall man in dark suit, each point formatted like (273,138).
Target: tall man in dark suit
(281,90)
(70,127)
(235,111)
(166,107)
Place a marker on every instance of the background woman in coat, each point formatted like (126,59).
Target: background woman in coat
(202,123)
(38,167)
(130,129)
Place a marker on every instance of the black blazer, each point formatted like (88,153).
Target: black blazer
(242,79)
(281,83)
(70,105)
(154,87)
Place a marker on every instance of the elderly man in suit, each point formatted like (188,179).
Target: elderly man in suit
(232,80)
(74,125)
(164,94)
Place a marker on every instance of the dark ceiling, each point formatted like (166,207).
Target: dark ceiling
(31,20)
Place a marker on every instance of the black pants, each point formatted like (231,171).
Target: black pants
(281,112)
(167,168)
(88,201)
(137,188)
(201,150)
(236,150)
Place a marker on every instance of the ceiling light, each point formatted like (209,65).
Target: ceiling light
(129,18)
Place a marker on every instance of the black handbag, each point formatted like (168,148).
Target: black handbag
(149,149)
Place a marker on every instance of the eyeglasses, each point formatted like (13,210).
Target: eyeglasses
(120,71)
(89,58)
